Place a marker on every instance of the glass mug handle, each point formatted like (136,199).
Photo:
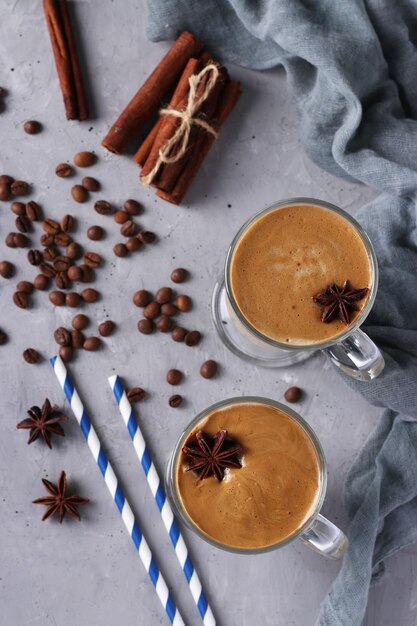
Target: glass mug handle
(325,538)
(357,356)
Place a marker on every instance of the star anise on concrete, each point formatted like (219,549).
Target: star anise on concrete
(210,456)
(58,502)
(44,422)
(339,302)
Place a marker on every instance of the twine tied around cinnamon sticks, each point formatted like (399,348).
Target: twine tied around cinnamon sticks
(188,118)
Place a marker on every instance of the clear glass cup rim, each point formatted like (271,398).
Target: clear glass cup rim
(321,459)
(371,255)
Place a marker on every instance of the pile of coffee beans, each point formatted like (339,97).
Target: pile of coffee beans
(73,339)
(135,237)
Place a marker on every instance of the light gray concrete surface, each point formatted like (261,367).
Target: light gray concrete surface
(88,573)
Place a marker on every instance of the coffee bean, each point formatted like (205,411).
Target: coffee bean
(74,251)
(9,241)
(47,270)
(128,229)
(62,240)
(106,328)
(146,236)
(95,233)
(103,207)
(152,310)
(4,192)
(178,334)
(62,263)
(293,394)
(92,343)
(47,240)
(183,303)
(20,240)
(120,250)
(25,286)
(51,227)
(90,295)
(92,259)
(174,377)
(31,356)
(41,282)
(57,298)
(208,369)
(80,321)
(3,337)
(136,394)
(62,281)
(73,299)
(175,401)
(179,275)
(6,180)
(132,207)
(66,353)
(50,253)
(63,170)
(145,327)
(19,188)
(169,309)
(87,273)
(192,338)
(23,224)
(6,269)
(67,223)
(77,339)
(35,257)
(75,273)
(91,184)
(84,159)
(32,127)
(133,244)
(79,194)
(20,298)
(141,298)
(33,211)
(163,295)
(120,217)
(164,324)
(62,336)
(18,208)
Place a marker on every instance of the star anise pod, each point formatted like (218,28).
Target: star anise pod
(339,302)
(43,422)
(58,501)
(212,455)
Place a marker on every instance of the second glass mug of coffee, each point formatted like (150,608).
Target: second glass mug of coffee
(352,351)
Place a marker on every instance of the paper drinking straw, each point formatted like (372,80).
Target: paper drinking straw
(164,507)
(115,489)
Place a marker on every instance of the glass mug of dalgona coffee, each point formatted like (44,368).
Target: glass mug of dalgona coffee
(299,276)
(248,475)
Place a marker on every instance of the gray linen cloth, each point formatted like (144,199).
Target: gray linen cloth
(352,73)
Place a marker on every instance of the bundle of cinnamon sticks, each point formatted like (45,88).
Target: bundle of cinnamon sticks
(202,97)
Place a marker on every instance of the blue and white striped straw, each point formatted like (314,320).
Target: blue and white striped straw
(116,492)
(164,507)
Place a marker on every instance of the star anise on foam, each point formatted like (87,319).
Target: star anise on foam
(44,422)
(212,455)
(58,502)
(339,302)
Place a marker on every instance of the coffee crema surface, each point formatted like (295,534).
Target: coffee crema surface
(287,256)
(274,492)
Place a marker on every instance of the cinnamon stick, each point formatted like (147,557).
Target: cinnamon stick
(148,99)
(144,149)
(66,59)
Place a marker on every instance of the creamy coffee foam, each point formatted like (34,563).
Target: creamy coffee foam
(271,496)
(289,255)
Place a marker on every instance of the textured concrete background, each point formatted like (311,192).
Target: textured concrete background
(88,573)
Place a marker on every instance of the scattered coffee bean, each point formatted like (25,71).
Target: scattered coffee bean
(208,369)
(145,327)
(92,343)
(90,295)
(51,227)
(132,207)
(106,328)
(19,188)
(174,377)
(152,310)
(169,309)
(6,180)
(47,270)
(57,298)
(9,241)
(95,233)
(20,298)
(66,353)
(163,295)
(141,298)
(164,324)
(91,184)
(80,321)
(175,401)
(26,286)
(74,251)
(47,240)
(147,236)
(178,334)
(41,282)
(61,280)
(77,339)
(179,275)
(6,269)
(183,303)
(67,223)
(33,211)
(62,263)
(35,257)
(3,337)
(4,192)
(75,273)
(192,338)
(136,394)
(73,299)
(87,273)
(62,240)
(120,217)
(31,356)
(120,250)
(18,208)
(293,394)
(62,336)
(20,240)
(133,244)
(63,170)
(84,159)
(103,207)
(50,253)
(32,127)
(23,224)
(128,229)
(79,193)
(92,259)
